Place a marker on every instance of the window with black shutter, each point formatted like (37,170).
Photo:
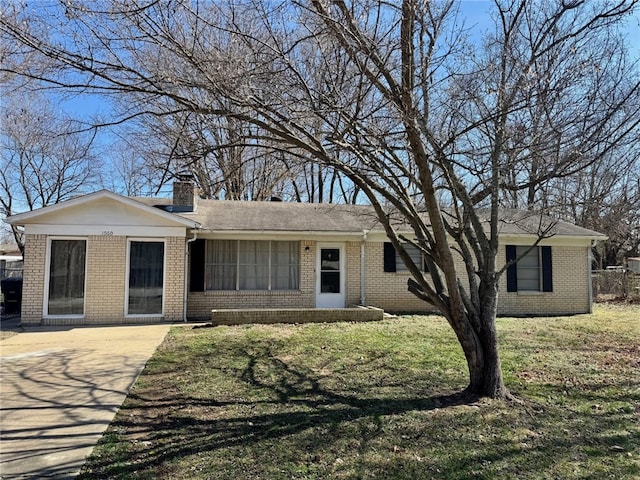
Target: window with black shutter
(532,272)
(393,262)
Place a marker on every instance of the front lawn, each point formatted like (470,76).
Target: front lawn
(377,400)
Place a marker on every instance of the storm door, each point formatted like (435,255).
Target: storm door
(330,276)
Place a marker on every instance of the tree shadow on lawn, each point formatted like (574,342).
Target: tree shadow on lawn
(312,420)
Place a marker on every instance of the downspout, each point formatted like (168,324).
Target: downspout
(186,274)
(589,266)
(363,286)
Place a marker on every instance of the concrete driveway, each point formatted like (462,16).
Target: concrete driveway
(59,390)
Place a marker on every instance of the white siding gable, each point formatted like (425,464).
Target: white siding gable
(105,214)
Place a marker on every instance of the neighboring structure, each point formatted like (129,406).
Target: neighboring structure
(10,279)
(633,264)
(104,258)
(10,261)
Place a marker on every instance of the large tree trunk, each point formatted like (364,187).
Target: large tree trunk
(481,352)
(485,370)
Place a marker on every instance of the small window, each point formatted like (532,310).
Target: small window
(393,262)
(528,271)
(532,272)
(416,257)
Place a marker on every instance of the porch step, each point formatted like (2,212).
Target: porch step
(242,316)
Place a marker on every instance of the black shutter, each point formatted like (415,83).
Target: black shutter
(512,270)
(547,271)
(389,257)
(196,270)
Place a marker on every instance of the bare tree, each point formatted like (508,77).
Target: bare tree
(46,159)
(227,156)
(604,197)
(580,167)
(129,173)
(225,160)
(395,98)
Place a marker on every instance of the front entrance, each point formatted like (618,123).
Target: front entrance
(330,276)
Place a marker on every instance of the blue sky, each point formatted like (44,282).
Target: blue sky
(476,15)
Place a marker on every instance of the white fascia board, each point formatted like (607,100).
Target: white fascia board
(558,240)
(10,258)
(105,230)
(26,217)
(512,239)
(379,236)
(382,237)
(279,235)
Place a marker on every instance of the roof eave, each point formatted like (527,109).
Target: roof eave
(595,236)
(354,233)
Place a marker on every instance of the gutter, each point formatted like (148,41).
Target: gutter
(281,233)
(186,274)
(590,282)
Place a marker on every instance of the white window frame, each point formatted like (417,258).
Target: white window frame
(47,277)
(128,269)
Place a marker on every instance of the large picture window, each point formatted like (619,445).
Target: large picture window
(67,277)
(252,265)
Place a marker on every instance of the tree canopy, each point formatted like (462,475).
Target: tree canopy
(428,119)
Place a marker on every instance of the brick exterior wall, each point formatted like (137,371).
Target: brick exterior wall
(106,276)
(106,270)
(105,282)
(174,278)
(35,250)
(571,277)
(353,272)
(295,315)
(388,290)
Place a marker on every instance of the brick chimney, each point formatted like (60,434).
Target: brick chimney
(184,194)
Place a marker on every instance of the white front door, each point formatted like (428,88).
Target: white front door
(330,276)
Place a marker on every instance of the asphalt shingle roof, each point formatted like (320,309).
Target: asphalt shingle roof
(245,216)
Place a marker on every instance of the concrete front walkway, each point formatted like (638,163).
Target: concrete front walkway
(59,390)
